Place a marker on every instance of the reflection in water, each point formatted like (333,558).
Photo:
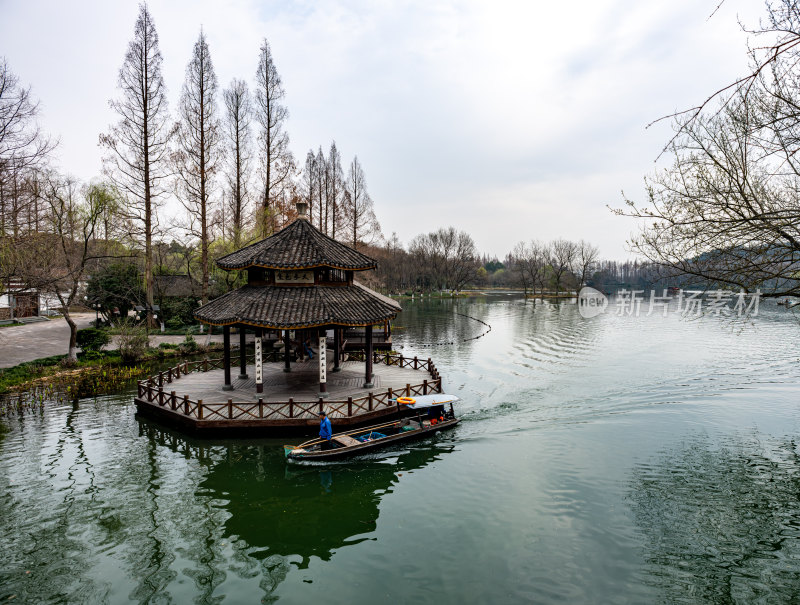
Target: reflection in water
(270,512)
(302,510)
(722,524)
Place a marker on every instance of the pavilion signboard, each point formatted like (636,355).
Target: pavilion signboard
(294,277)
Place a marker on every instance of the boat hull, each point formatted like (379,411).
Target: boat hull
(370,446)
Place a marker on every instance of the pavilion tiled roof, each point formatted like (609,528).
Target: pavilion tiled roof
(298,246)
(288,308)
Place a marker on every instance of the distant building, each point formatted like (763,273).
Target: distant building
(18,301)
(174,286)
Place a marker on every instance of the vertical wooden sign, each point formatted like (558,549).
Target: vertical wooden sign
(322,360)
(259,367)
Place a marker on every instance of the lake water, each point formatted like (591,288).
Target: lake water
(614,460)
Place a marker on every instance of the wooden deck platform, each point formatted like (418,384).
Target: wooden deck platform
(190,395)
(302,383)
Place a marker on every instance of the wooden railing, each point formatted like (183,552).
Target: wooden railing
(156,390)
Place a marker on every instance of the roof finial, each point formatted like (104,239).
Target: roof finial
(302,207)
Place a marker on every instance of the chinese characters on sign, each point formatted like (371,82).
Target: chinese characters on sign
(690,303)
(322,360)
(259,366)
(294,277)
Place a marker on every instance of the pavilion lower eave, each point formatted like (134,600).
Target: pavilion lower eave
(292,307)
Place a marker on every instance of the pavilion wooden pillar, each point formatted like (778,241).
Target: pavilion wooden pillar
(337,345)
(368,352)
(259,363)
(287,345)
(226,357)
(242,353)
(323,363)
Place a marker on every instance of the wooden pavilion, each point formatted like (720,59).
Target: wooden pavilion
(301,291)
(299,282)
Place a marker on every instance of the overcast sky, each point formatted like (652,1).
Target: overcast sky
(509,120)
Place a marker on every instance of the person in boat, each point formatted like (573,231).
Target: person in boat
(325,431)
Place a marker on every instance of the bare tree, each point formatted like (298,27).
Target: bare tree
(530,262)
(23,147)
(22,143)
(446,258)
(584,262)
(358,207)
(138,145)
(725,213)
(196,158)
(562,257)
(277,164)
(67,249)
(238,114)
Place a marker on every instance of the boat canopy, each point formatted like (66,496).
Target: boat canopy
(427,401)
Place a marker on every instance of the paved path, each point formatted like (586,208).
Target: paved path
(19,344)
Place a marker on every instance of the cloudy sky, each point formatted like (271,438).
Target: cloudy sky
(512,120)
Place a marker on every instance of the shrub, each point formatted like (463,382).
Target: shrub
(179,308)
(133,341)
(189,345)
(91,355)
(173,324)
(167,346)
(116,285)
(92,339)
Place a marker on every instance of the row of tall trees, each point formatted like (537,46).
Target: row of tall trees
(445,259)
(557,265)
(226,158)
(339,206)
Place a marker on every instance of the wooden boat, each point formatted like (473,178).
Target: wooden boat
(431,417)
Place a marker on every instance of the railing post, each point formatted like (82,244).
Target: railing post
(160,396)
(291,407)
(172,399)
(430,365)
(424,387)
(205,364)
(199,409)
(416,363)
(161,379)
(391,394)
(260,407)
(369,404)
(349,406)
(169,375)
(408,390)
(186,404)
(320,404)
(230,409)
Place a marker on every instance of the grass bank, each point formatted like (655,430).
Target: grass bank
(52,371)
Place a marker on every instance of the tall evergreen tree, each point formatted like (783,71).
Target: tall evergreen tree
(198,136)
(277,164)
(237,121)
(335,187)
(138,145)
